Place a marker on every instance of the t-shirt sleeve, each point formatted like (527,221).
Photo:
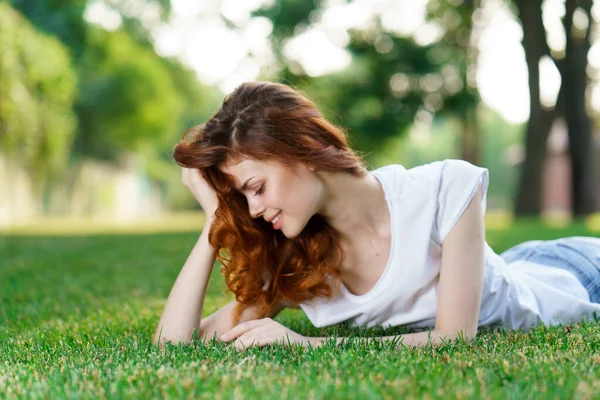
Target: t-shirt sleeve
(458,183)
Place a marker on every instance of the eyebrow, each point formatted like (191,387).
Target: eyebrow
(245,185)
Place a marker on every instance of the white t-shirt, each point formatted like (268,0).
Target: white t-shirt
(425,202)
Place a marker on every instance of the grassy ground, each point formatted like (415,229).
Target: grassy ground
(77,314)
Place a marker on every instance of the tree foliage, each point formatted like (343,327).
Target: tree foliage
(37,90)
(391,78)
(130,99)
(60,18)
(127,97)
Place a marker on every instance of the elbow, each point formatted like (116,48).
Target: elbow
(174,340)
(467,335)
(470,333)
(161,337)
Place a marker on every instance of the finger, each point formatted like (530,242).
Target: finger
(251,340)
(262,336)
(244,342)
(241,329)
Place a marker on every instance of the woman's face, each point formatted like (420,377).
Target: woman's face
(271,189)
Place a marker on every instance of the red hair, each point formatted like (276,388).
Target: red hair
(269,121)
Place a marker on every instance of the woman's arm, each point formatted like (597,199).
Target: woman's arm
(462,272)
(183,309)
(459,294)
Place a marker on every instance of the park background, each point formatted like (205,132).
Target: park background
(95,223)
(95,94)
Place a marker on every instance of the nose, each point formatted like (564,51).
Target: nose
(255,208)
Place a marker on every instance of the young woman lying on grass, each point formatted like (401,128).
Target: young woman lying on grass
(296,219)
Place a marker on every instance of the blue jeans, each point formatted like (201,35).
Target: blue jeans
(578,254)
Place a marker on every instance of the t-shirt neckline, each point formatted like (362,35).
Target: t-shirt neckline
(373,291)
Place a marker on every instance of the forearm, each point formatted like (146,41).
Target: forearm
(418,339)
(183,308)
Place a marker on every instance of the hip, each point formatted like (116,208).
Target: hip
(578,254)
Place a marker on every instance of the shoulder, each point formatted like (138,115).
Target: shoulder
(392,177)
(439,170)
(398,178)
(449,166)
(397,172)
(426,177)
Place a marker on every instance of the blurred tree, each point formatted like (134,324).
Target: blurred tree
(459,46)
(116,70)
(540,120)
(62,18)
(65,18)
(198,103)
(130,99)
(287,17)
(37,89)
(378,96)
(139,17)
(390,81)
(575,78)
(127,97)
(573,66)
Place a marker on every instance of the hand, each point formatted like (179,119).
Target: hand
(260,332)
(206,196)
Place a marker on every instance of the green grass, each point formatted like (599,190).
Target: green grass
(77,315)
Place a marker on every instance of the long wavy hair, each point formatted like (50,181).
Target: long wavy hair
(269,121)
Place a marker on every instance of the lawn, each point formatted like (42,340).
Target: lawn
(78,312)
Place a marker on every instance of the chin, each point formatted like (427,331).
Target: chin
(292,234)
(287,235)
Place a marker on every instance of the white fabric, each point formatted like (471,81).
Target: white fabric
(425,202)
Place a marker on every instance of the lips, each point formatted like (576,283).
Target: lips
(275,216)
(277,221)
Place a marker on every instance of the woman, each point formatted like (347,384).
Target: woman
(302,222)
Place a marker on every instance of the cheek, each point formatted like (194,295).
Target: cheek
(301,200)
(296,197)
(275,199)
(281,198)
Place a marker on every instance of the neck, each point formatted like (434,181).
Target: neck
(355,206)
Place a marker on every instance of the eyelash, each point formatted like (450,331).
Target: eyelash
(260,190)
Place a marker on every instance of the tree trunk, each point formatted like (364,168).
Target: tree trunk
(470,137)
(529,191)
(581,143)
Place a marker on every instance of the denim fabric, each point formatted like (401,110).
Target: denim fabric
(578,254)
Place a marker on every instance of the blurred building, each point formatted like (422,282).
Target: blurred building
(557,170)
(88,189)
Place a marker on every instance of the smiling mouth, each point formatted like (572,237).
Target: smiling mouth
(277,221)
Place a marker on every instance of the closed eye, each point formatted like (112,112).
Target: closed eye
(260,190)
